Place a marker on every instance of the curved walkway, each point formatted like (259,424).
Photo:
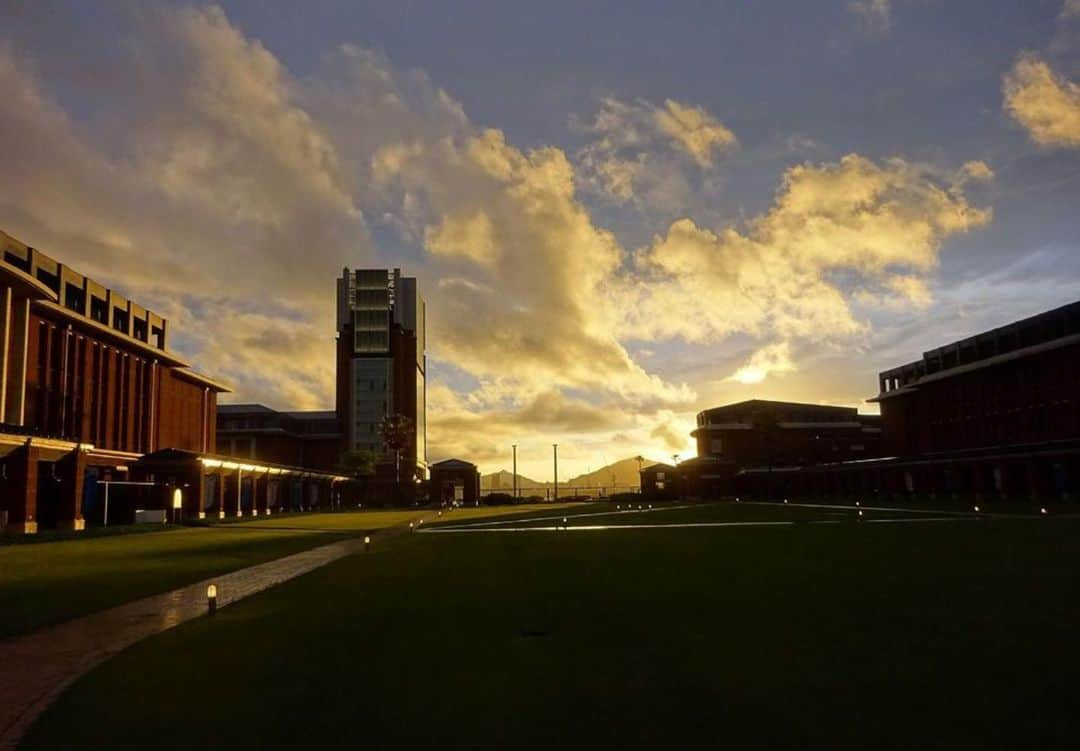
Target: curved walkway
(35,668)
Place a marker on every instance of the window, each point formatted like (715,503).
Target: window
(74,298)
(120,319)
(99,310)
(716,446)
(138,329)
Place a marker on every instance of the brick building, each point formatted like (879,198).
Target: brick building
(310,439)
(87,385)
(773,435)
(991,416)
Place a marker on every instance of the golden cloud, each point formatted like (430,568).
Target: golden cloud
(1046,104)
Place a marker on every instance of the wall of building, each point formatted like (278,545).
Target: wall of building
(1026,400)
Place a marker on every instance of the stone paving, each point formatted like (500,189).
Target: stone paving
(37,667)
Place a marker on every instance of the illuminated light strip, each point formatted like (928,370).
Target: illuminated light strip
(691,525)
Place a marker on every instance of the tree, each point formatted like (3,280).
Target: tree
(396,433)
(357,462)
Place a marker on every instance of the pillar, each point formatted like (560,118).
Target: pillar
(14,336)
(72,472)
(273,490)
(195,496)
(21,490)
(258,494)
(222,481)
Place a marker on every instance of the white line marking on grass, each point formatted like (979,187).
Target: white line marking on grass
(504,522)
(857,508)
(690,525)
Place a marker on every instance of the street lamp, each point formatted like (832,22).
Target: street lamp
(515,473)
(555,454)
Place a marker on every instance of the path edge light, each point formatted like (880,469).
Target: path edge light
(211,599)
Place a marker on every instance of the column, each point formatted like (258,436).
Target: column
(72,472)
(16,333)
(222,481)
(258,495)
(239,497)
(195,495)
(22,469)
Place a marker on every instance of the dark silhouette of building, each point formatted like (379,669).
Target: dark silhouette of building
(454,480)
(660,481)
(226,486)
(991,416)
(87,385)
(772,435)
(381,363)
(309,439)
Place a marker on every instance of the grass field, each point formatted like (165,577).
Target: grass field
(47,582)
(820,630)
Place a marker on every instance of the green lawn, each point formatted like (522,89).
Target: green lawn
(49,581)
(362,521)
(952,634)
(56,581)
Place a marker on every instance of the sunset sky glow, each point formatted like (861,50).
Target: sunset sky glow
(620,213)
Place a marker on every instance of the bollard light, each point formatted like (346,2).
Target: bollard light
(410,526)
(618,508)
(976,509)
(785,500)
(367,542)
(1042,510)
(860,513)
(211,599)
(857,503)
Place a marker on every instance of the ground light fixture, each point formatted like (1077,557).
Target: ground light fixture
(976,509)
(860,513)
(367,543)
(410,526)
(211,599)
(1042,510)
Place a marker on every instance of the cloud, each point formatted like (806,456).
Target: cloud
(196,200)
(774,358)
(227,193)
(524,270)
(875,16)
(1070,9)
(693,130)
(835,232)
(1046,104)
(641,151)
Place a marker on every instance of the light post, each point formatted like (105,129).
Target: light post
(515,474)
(555,454)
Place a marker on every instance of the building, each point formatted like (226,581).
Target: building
(454,481)
(660,481)
(771,434)
(87,386)
(226,486)
(1012,386)
(381,363)
(311,439)
(992,416)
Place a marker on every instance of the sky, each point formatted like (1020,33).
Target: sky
(620,213)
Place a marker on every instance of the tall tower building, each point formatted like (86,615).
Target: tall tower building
(381,361)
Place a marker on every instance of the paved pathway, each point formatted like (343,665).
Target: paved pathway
(35,668)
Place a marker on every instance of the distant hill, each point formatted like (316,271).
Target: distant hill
(503,480)
(621,474)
